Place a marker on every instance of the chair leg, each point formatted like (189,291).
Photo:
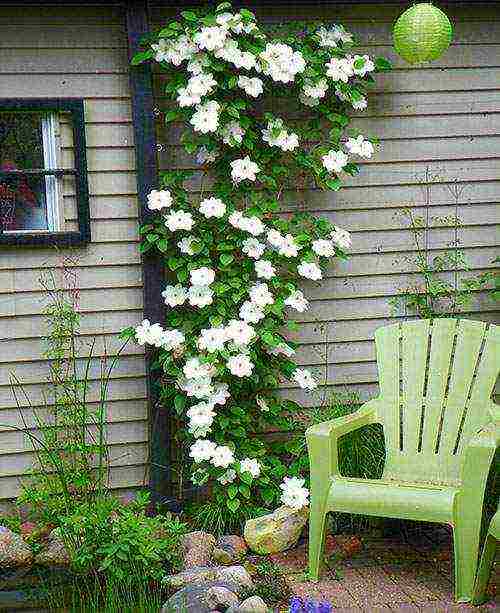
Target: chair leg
(317,521)
(484,571)
(466,550)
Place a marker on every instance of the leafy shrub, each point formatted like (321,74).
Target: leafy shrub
(270,583)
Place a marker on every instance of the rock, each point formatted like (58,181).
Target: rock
(237,576)
(192,598)
(229,549)
(197,549)
(220,598)
(275,532)
(13,550)
(55,552)
(28,528)
(254,604)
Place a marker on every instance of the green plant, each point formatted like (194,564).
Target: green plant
(234,260)
(270,583)
(213,516)
(70,440)
(444,287)
(113,539)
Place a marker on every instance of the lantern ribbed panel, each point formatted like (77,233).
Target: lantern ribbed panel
(422,33)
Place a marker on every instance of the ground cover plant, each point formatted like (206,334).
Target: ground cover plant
(235,260)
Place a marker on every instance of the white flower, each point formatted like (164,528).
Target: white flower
(308,101)
(235,219)
(294,495)
(362,64)
(252,86)
(360,146)
(232,133)
(201,84)
(210,38)
(260,295)
(297,301)
(204,156)
(309,270)
(253,248)
(334,161)
(174,52)
(240,365)
(360,105)
(262,404)
(174,295)
(239,332)
(265,269)
(250,312)
(220,395)
(212,339)
(206,117)
(185,245)
(281,62)
(222,457)
(329,38)
(201,417)
(194,369)
(199,388)
(281,349)
(202,276)
(323,247)
(171,339)
(289,248)
(251,466)
(305,379)
(275,238)
(198,63)
(276,135)
(228,477)
(179,220)
(316,90)
(187,98)
(342,238)
(200,295)
(244,168)
(150,334)
(212,207)
(159,199)
(340,69)
(253,225)
(202,450)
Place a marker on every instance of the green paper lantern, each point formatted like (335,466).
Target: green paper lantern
(422,33)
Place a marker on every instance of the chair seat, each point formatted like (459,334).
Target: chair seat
(378,497)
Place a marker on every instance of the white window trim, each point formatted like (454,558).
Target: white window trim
(49,132)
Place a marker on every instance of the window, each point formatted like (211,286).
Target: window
(43,176)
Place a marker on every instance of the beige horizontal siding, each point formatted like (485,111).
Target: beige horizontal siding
(76,51)
(439,133)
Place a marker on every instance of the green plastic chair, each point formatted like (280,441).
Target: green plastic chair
(441,431)
(487,557)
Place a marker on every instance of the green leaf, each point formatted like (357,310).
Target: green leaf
(226,259)
(162,245)
(233,504)
(189,16)
(180,402)
(232,491)
(244,490)
(141,57)
(246,477)
(174,263)
(382,64)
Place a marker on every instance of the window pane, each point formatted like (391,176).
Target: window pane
(28,202)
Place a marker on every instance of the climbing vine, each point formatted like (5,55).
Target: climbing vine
(236,262)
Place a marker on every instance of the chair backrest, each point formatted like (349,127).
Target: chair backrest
(436,380)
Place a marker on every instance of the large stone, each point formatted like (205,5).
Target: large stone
(55,552)
(277,531)
(229,549)
(192,598)
(197,549)
(254,604)
(220,598)
(237,576)
(14,551)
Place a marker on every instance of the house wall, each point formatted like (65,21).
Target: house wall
(440,139)
(78,52)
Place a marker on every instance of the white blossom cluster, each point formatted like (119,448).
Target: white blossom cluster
(227,346)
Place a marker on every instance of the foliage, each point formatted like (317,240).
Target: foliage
(444,289)
(270,583)
(214,516)
(235,258)
(117,540)
(70,446)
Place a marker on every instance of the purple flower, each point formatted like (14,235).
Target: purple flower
(295,604)
(310,606)
(325,607)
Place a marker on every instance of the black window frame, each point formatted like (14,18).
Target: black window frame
(75,108)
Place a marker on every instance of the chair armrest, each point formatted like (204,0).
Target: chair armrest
(322,439)
(477,459)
